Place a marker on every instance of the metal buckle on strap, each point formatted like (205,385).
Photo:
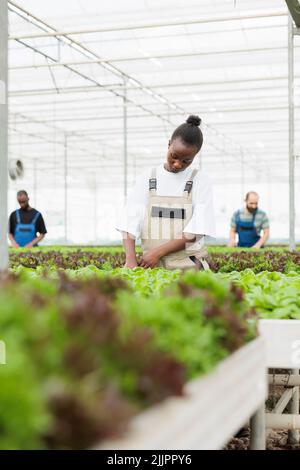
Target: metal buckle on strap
(152,184)
(188,187)
(168,213)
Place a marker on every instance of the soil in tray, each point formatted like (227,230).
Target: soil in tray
(277,440)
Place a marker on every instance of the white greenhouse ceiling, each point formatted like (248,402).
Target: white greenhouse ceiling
(73,63)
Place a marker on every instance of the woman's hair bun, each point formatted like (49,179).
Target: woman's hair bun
(194,120)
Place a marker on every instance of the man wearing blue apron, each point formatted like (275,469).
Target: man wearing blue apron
(26,225)
(248,223)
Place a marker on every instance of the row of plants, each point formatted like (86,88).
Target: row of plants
(220,260)
(257,260)
(66,258)
(272,294)
(86,352)
(90,343)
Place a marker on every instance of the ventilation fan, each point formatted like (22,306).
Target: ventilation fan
(15,169)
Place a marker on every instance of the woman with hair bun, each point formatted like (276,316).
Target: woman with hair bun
(170,207)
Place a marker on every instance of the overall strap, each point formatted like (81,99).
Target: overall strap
(237,217)
(18,216)
(189,184)
(153,182)
(35,218)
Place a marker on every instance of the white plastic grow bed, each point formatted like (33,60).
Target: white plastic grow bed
(211,412)
(282,339)
(282,343)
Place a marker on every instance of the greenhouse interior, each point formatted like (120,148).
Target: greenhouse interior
(150,225)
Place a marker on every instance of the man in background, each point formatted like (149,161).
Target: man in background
(248,223)
(26,225)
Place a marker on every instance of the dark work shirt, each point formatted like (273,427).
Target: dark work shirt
(26,218)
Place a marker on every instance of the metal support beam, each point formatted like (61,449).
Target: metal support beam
(258,429)
(292,212)
(3,133)
(118,86)
(125,134)
(285,421)
(284,380)
(142,57)
(294,7)
(66,187)
(35,182)
(157,24)
(283,401)
(95,207)
(242,176)
(293,435)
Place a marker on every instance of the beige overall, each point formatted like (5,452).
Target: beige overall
(165,220)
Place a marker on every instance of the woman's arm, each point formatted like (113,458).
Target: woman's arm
(130,217)
(129,247)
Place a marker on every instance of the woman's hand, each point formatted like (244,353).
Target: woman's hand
(150,259)
(131,263)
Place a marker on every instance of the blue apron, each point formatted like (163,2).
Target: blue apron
(246,231)
(25,233)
